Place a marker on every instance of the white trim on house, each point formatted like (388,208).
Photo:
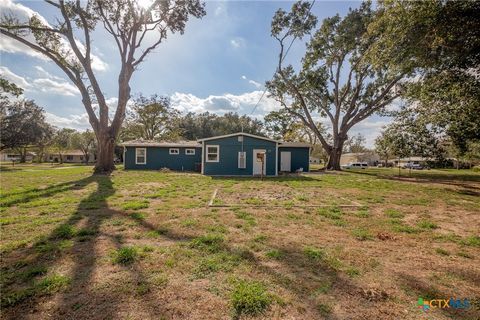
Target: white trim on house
(174,151)
(144,156)
(190,151)
(237,134)
(207,153)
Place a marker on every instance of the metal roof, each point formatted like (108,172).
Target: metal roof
(150,143)
(238,134)
(293,144)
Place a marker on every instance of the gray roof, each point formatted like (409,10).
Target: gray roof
(293,144)
(150,143)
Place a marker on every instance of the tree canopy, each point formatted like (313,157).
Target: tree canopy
(136,31)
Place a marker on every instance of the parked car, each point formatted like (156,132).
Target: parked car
(356,165)
(414,166)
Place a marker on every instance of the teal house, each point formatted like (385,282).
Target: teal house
(237,154)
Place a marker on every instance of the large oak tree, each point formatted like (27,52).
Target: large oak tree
(136,31)
(336,79)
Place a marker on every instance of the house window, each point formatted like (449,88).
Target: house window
(173,151)
(69,158)
(213,153)
(140,155)
(190,152)
(242,161)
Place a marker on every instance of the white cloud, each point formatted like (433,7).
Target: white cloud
(16,79)
(24,13)
(242,103)
(54,87)
(79,122)
(48,84)
(253,82)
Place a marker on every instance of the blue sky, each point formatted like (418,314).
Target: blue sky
(219,64)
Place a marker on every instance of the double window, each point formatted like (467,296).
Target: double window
(213,153)
(140,155)
(190,152)
(174,151)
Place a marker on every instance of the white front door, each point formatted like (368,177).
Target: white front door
(259,161)
(286,161)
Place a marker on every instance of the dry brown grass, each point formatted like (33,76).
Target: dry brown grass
(409,238)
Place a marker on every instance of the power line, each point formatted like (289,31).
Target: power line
(281,60)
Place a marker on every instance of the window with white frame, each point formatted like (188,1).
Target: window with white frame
(242,161)
(213,153)
(174,151)
(140,155)
(190,152)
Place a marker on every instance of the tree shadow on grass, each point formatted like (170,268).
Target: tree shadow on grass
(79,299)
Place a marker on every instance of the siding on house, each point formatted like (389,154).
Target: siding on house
(230,146)
(159,157)
(300,157)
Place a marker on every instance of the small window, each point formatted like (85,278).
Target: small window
(174,151)
(213,153)
(70,158)
(242,162)
(240,138)
(140,155)
(190,152)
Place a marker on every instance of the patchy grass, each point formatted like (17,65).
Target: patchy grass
(76,244)
(250,298)
(125,255)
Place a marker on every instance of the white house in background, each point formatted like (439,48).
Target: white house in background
(9,155)
(369,157)
(70,156)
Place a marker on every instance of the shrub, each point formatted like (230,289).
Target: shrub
(250,298)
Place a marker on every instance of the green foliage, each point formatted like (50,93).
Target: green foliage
(210,242)
(473,241)
(135,205)
(426,224)
(314,253)
(362,234)
(334,213)
(250,298)
(274,254)
(64,231)
(125,255)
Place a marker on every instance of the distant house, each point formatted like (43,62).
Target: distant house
(402,162)
(70,156)
(370,158)
(9,155)
(238,154)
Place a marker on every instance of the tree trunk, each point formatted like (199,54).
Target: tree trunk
(106,146)
(335,154)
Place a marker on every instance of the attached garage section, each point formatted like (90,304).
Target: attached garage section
(293,156)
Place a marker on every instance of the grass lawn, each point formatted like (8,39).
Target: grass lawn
(145,245)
